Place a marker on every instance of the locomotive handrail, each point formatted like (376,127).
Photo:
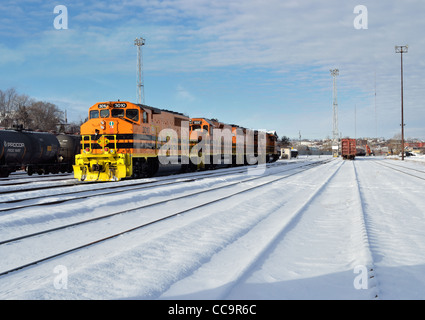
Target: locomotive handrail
(83,139)
(107,142)
(103,141)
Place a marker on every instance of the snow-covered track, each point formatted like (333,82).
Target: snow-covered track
(271,241)
(296,231)
(366,237)
(358,237)
(15,178)
(394,215)
(32,197)
(413,172)
(36,185)
(162,215)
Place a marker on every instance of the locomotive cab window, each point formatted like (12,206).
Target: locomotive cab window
(118,113)
(104,113)
(132,114)
(94,114)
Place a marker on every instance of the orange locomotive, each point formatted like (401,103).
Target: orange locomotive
(121,140)
(236,146)
(213,141)
(126,140)
(271,147)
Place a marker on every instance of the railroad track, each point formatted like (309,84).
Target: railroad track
(66,180)
(15,177)
(162,212)
(57,181)
(367,236)
(278,228)
(35,184)
(398,168)
(271,241)
(90,190)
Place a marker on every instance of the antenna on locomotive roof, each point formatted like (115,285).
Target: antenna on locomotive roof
(139,42)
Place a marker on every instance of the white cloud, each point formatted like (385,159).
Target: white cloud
(183,94)
(294,42)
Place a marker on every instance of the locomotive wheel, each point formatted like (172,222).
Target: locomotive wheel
(152,167)
(143,168)
(136,168)
(188,168)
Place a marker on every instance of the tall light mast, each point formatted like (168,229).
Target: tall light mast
(401,50)
(139,42)
(335,134)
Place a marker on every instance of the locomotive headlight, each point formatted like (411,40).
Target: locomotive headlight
(112,151)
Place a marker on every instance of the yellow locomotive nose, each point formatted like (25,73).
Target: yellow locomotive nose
(105,164)
(101,167)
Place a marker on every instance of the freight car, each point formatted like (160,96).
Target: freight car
(36,152)
(69,147)
(127,140)
(348,149)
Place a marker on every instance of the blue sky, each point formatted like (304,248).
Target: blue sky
(261,64)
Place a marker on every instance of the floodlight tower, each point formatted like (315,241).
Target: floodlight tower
(139,42)
(401,50)
(335,134)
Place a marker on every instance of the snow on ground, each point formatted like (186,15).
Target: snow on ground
(342,230)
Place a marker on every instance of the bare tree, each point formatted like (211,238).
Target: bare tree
(21,114)
(284,142)
(18,108)
(7,106)
(44,116)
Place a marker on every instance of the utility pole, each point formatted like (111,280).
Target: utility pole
(139,42)
(401,50)
(355,121)
(335,144)
(376,115)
